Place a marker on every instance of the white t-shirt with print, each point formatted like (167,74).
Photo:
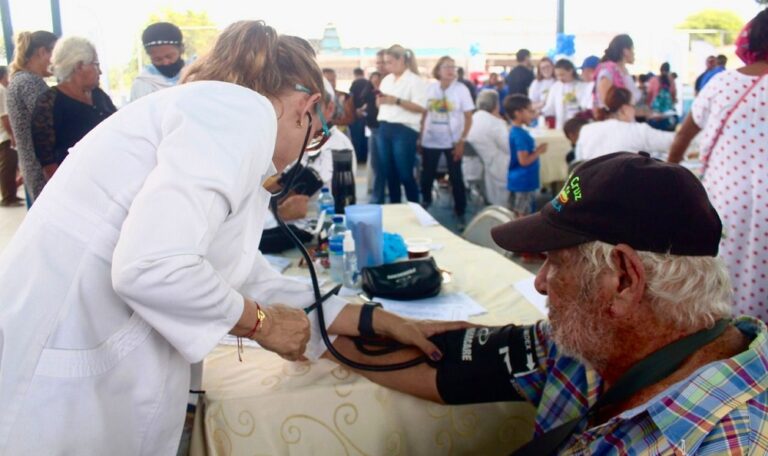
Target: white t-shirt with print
(539,89)
(444,122)
(566,99)
(407,87)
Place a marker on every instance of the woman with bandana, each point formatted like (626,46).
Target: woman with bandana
(164,44)
(730,112)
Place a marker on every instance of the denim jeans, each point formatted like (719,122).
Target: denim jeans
(396,149)
(359,141)
(377,181)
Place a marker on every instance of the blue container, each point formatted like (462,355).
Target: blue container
(364,220)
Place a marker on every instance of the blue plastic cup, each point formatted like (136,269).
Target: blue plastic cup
(364,220)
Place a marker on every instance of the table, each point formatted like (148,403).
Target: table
(268,406)
(553,168)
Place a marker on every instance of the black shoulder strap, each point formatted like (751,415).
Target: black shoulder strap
(654,368)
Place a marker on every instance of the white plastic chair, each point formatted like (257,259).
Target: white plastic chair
(478,231)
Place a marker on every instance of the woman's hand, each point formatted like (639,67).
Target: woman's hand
(414,332)
(294,207)
(458,151)
(387,99)
(284,331)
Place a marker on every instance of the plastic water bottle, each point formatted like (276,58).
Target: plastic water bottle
(336,248)
(325,202)
(351,273)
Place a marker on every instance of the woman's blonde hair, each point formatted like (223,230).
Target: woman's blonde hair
(400,52)
(440,62)
(253,55)
(68,53)
(27,43)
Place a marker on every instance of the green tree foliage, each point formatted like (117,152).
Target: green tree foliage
(726,21)
(199,35)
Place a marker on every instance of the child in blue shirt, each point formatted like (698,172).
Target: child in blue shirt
(523,175)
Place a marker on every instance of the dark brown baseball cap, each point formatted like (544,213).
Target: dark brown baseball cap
(622,198)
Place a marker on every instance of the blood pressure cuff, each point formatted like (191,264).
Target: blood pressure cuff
(479,364)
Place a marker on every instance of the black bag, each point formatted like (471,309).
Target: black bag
(405,280)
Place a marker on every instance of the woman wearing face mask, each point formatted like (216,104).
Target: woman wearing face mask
(143,254)
(164,44)
(31,63)
(616,130)
(65,113)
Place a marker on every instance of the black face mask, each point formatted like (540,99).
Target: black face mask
(171,70)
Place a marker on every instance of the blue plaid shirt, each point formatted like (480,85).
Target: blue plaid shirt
(721,409)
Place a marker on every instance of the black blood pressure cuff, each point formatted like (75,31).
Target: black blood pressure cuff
(480,364)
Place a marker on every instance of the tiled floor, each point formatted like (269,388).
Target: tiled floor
(10,219)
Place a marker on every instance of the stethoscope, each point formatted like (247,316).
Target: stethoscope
(388,347)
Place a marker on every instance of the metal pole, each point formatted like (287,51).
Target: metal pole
(5,11)
(560,16)
(56,17)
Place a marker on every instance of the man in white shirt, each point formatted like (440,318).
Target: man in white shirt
(9,161)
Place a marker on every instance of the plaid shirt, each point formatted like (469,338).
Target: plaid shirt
(721,409)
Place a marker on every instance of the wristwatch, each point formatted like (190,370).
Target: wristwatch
(397,101)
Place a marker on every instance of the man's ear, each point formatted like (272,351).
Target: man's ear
(630,279)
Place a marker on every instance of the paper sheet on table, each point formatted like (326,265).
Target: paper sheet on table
(232,340)
(528,290)
(424,218)
(452,306)
(279,263)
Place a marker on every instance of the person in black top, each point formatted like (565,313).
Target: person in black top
(521,76)
(68,111)
(359,88)
(470,86)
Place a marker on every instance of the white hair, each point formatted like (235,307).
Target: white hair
(487,100)
(686,291)
(68,53)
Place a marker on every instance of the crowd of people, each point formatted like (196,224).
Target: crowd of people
(141,247)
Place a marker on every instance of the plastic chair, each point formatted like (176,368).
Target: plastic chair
(478,231)
(475,184)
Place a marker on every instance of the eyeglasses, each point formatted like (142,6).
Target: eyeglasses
(316,141)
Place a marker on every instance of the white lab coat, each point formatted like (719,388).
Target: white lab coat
(133,264)
(489,135)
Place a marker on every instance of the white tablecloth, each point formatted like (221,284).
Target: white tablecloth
(553,167)
(268,406)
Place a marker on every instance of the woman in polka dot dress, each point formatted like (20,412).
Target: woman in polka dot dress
(732,114)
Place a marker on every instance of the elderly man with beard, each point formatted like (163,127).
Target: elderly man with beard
(639,355)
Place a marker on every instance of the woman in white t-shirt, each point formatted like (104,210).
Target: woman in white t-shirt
(545,79)
(445,126)
(401,103)
(567,96)
(617,131)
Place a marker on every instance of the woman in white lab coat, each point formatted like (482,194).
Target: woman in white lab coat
(141,254)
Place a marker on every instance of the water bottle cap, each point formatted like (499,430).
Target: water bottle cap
(325,190)
(338,219)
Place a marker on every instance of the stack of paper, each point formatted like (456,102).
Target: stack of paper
(446,307)
(424,217)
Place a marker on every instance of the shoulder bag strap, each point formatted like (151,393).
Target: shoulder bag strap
(646,372)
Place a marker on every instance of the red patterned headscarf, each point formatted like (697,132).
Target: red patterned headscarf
(742,47)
